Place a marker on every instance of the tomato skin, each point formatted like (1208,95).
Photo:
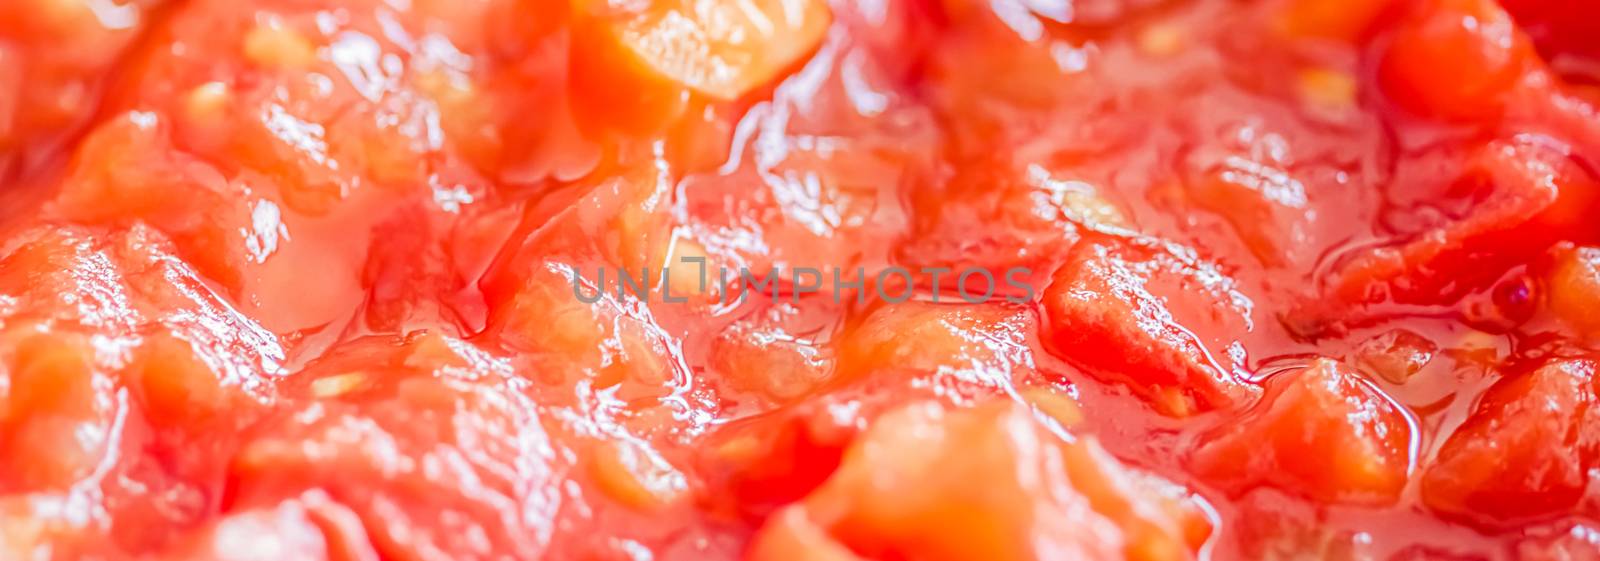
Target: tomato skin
(775,355)
(1525,452)
(1363,440)
(1456,60)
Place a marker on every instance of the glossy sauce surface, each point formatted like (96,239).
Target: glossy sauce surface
(306,279)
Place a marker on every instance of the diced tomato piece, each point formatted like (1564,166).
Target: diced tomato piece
(612,340)
(1457,60)
(124,380)
(271,141)
(903,491)
(59,410)
(720,49)
(620,220)
(1526,451)
(1252,179)
(636,477)
(791,535)
(546,299)
(127,168)
(755,465)
(1573,288)
(1146,313)
(988,342)
(1521,195)
(395,430)
(1320,432)
(810,212)
(192,362)
(811,177)
(129,171)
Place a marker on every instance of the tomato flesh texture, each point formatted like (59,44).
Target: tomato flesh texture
(988,340)
(390,414)
(1574,288)
(720,49)
(1525,194)
(272,128)
(1362,440)
(116,361)
(1525,452)
(757,465)
(898,494)
(1141,314)
(54,59)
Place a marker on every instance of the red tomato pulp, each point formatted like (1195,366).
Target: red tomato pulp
(1270,279)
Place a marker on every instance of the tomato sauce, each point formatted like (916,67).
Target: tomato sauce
(432,280)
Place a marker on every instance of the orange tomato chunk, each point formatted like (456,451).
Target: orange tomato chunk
(1320,432)
(904,491)
(1145,313)
(1574,288)
(720,49)
(1525,452)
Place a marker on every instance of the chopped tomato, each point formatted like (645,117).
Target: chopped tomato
(1526,451)
(901,280)
(1366,439)
(390,428)
(634,65)
(1457,60)
(1574,286)
(901,492)
(118,364)
(1148,314)
(1520,196)
(989,342)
